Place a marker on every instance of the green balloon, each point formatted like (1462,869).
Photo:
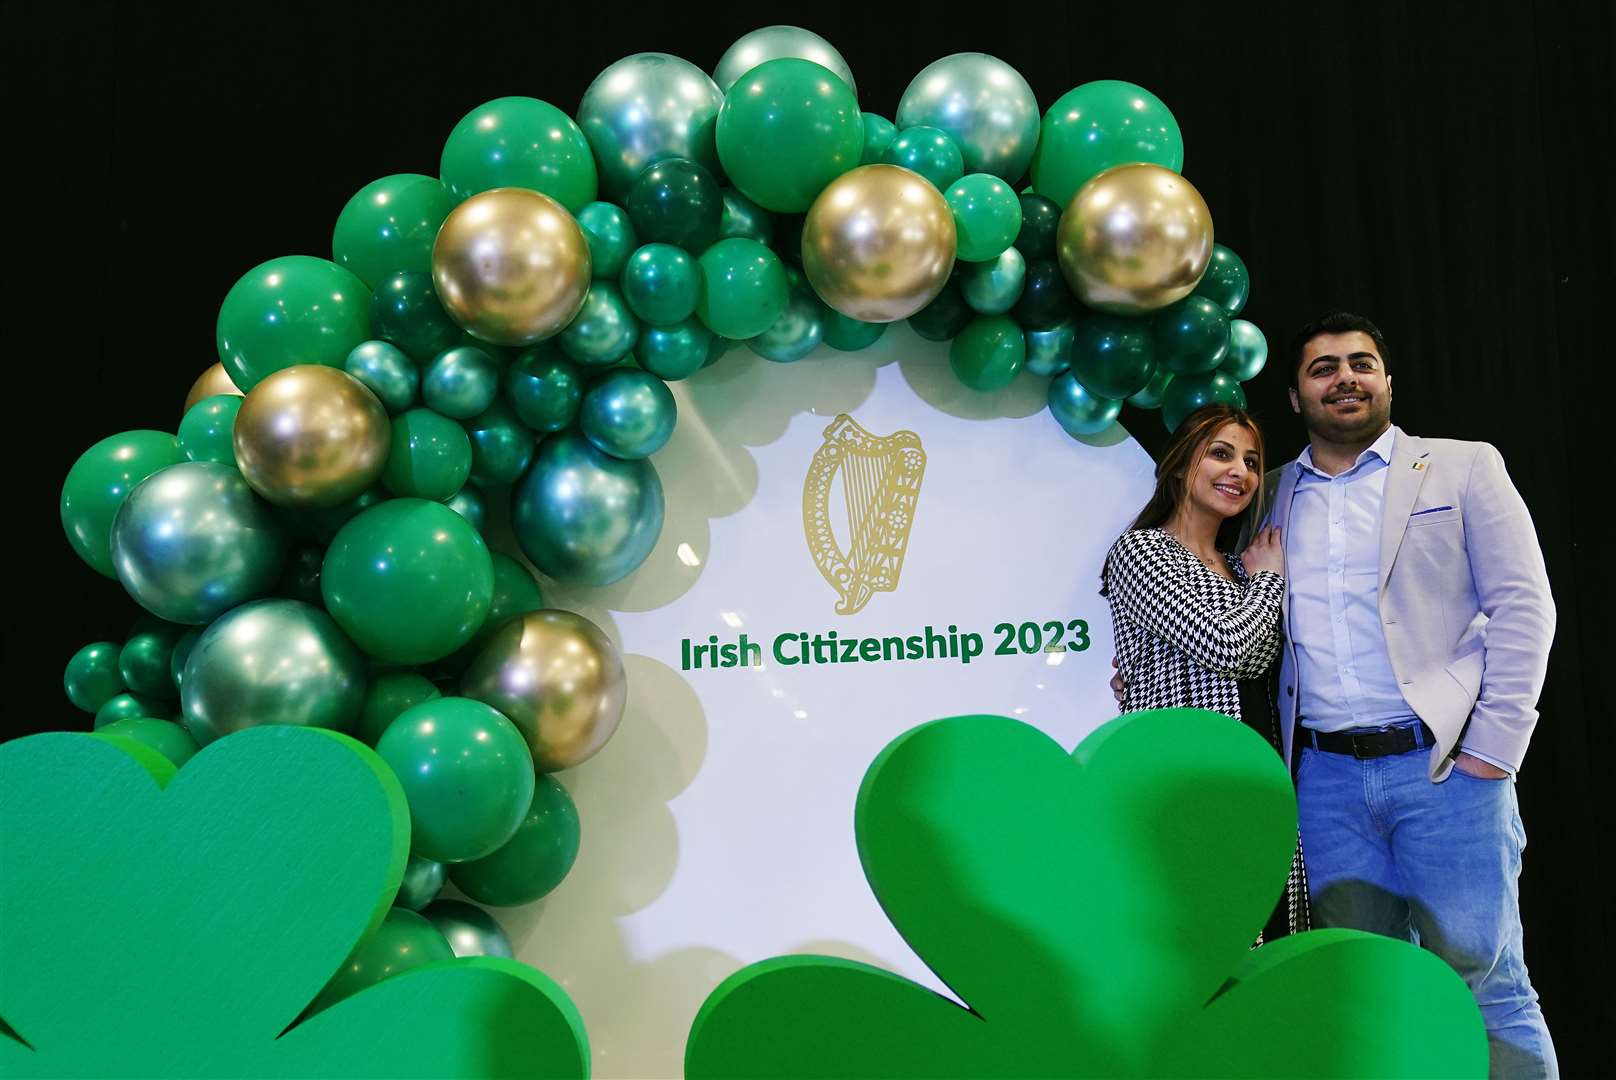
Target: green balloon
(429,456)
(519,142)
(1113,356)
(717,347)
(661,284)
(469,503)
(545,388)
(387,371)
(674,352)
(188,640)
(610,236)
(744,287)
(987,216)
(1079,411)
(1192,335)
(144,663)
(532,862)
(796,333)
(1049,351)
(1040,218)
(1186,393)
(743,217)
(1151,396)
(1226,281)
(163,736)
(992,288)
(878,135)
(1098,125)
(125,706)
(787,128)
(988,353)
(322,525)
(501,446)
(1046,300)
(603,331)
(467,775)
(387,696)
(293,310)
(847,334)
(92,677)
(928,151)
(516,592)
(628,414)
(584,517)
(675,201)
(1248,350)
(460,382)
(423,880)
(408,580)
(101,479)
(406,311)
(945,316)
(207,429)
(389,225)
(403,941)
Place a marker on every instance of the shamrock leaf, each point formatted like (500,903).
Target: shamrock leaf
(175,923)
(1095,912)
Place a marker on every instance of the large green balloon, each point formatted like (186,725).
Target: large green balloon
(603,331)
(429,456)
(92,677)
(545,388)
(1079,411)
(501,446)
(293,310)
(1186,393)
(403,941)
(1192,335)
(788,127)
(1226,280)
(628,414)
(406,311)
(1113,356)
(744,287)
(674,352)
(1098,125)
(988,353)
(532,862)
(164,736)
(928,151)
(467,775)
(389,225)
(676,201)
(661,284)
(987,215)
(584,517)
(101,479)
(461,382)
(386,371)
(409,580)
(1248,350)
(519,142)
(610,236)
(207,429)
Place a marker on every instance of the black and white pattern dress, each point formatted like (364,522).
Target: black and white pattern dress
(1188,637)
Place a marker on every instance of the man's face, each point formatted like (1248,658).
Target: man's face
(1342,389)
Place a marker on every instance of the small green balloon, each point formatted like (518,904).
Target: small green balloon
(461,382)
(1049,351)
(533,861)
(403,941)
(322,525)
(675,201)
(603,331)
(1248,350)
(628,414)
(389,225)
(1226,281)
(1192,335)
(187,642)
(206,432)
(519,142)
(787,128)
(467,775)
(744,288)
(1186,393)
(406,311)
(545,388)
(300,580)
(610,236)
(387,697)
(987,216)
(796,333)
(470,504)
(847,334)
(745,218)
(928,151)
(1040,218)
(293,310)
(1046,300)
(92,677)
(878,135)
(717,347)
(988,353)
(144,663)
(661,284)
(101,479)
(674,352)
(1097,125)
(125,706)
(516,592)
(1151,396)
(1079,411)
(1113,356)
(423,880)
(386,371)
(501,445)
(945,316)
(992,288)
(429,456)
(163,736)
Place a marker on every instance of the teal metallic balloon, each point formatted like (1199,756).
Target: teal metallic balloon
(406,311)
(1098,125)
(293,310)
(1191,335)
(847,334)
(271,662)
(787,128)
(469,930)
(409,580)
(744,288)
(1186,393)
(1151,396)
(470,504)
(628,414)
(101,479)
(387,697)
(584,517)
(676,201)
(1040,218)
(460,382)
(1049,351)
(610,236)
(993,287)
(796,333)
(1112,355)
(878,135)
(423,880)
(144,662)
(988,353)
(661,284)
(467,775)
(403,941)
(603,331)
(193,541)
(92,677)
(928,151)
(389,225)
(545,388)
(206,432)
(987,216)
(945,316)
(674,352)
(125,706)
(533,861)
(745,218)
(983,104)
(1079,411)
(386,371)
(164,736)
(647,107)
(429,456)
(519,142)
(1248,350)
(182,653)
(1226,281)
(774,42)
(501,445)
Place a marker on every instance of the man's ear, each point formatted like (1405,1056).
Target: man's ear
(1296,403)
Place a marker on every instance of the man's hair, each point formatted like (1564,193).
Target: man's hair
(1341,322)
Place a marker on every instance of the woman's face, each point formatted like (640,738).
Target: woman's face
(1225,479)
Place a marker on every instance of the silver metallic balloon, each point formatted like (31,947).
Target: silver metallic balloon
(773,43)
(271,662)
(193,540)
(423,880)
(584,517)
(647,107)
(985,106)
(1049,351)
(469,929)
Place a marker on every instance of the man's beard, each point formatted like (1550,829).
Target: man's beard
(1374,419)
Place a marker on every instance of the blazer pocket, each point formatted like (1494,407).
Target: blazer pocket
(1436,517)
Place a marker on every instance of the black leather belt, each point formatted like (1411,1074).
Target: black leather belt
(1370,744)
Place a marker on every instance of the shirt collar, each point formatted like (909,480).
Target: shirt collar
(1381,448)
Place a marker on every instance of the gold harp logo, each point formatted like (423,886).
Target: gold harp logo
(880,481)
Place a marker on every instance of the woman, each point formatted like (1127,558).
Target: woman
(1196,625)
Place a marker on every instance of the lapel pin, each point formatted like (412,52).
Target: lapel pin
(1418,465)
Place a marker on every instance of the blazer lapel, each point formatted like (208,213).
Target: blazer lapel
(1410,463)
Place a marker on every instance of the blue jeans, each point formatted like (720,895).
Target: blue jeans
(1392,853)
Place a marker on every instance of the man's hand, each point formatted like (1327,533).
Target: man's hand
(1468,764)
(1117,685)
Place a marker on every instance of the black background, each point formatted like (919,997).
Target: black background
(1441,167)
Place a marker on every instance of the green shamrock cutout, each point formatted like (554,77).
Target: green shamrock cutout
(163,922)
(1095,912)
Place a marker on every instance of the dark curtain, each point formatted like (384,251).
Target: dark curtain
(1442,167)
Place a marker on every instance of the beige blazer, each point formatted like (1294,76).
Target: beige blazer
(1464,598)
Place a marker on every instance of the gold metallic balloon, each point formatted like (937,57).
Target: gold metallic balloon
(215,380)
(558,678)
(511,265)
(311,436)
(878,243)
(1134,238)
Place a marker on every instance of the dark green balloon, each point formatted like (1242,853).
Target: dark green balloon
(470,504)
(207,431)
(1248,350)
(501,446)
(674,352)
(848,334)
(144,663)
(787,128)
(1186,393)
(796,333)
(717,347)
(387,371)
(406,311)
(101,479)
(743,217)
(1049,351)
(299,581)
(516,592)
(675,201)
(744,288)
(1079,411)
(386,697)
(1040,218)
(788,238)
(1112,355)
(584,517)
(429,456)
(389,225)
(661,284)
(545,388)
(403,941)
(928,151)
(125,706)
(92,677)
(629,414)
(993,287)
(519,142)
(293,310)
(945,316)
(603,331)
(878,135)
(610,236)
(988,353)
(1192,335)
(1151,396)
(460,382)
(532,862)
(322,525)
(1226,281)
(1046,300)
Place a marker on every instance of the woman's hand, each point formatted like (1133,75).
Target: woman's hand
(1265,552)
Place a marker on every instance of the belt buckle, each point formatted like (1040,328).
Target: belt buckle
(1364,750)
